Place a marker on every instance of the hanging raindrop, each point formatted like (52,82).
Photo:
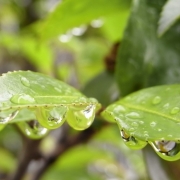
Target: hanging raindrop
(168,150)
(33,129)
(81,119)
(51,118)
(131,141)
(6,116)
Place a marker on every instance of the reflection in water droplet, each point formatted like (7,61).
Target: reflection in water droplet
(51,118)
(168,150)
(33,129)
(22,99)
(175,110)
(156,100)
(25,81)
(153,124)
(6,116)
(133,115)
(81,119)
(132,142)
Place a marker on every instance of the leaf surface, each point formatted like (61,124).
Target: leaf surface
(50,101)
(150,114)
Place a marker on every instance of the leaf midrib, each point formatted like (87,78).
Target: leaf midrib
(149,111)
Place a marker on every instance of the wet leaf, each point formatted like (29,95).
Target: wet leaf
(151,115)
(170,14)
(34,95)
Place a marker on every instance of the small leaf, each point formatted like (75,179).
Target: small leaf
(170,14)
(27,95)
(150,115)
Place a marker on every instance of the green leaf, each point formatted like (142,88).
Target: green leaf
(170,14)
(51,101)
(150,115)
(70,13)
(144,59)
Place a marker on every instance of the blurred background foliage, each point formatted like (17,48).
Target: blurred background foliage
(77,41)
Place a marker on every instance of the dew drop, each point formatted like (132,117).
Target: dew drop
(175,110)
(135,124)
(156,100)
(153,124)
(131,129)
(81,119)
(133,115)
(78,31)
(25,81)
(22,99)
(33,129)
(6,116)
(97,23)
(132,142)
(168,150)
(166,105)
(119,109)
(51,118)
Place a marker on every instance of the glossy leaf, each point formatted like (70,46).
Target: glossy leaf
(150,115)
(70,13)
(36,95)
(144,59)
(170,14)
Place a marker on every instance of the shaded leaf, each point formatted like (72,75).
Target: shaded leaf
(170,14)
(144,59)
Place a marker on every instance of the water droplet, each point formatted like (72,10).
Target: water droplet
(97,23)
(25,81)
(51,118)
(6,116)
(33,129)
(166,105)
(141,122)
(22,99)
(119,109)
(159,129)
(81,119)
(133,115)
(131,129)
(168,150)
(153,124)
(78,31)
(135,124)
(64,38)
(132,142)
(156,100)
(175,110)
